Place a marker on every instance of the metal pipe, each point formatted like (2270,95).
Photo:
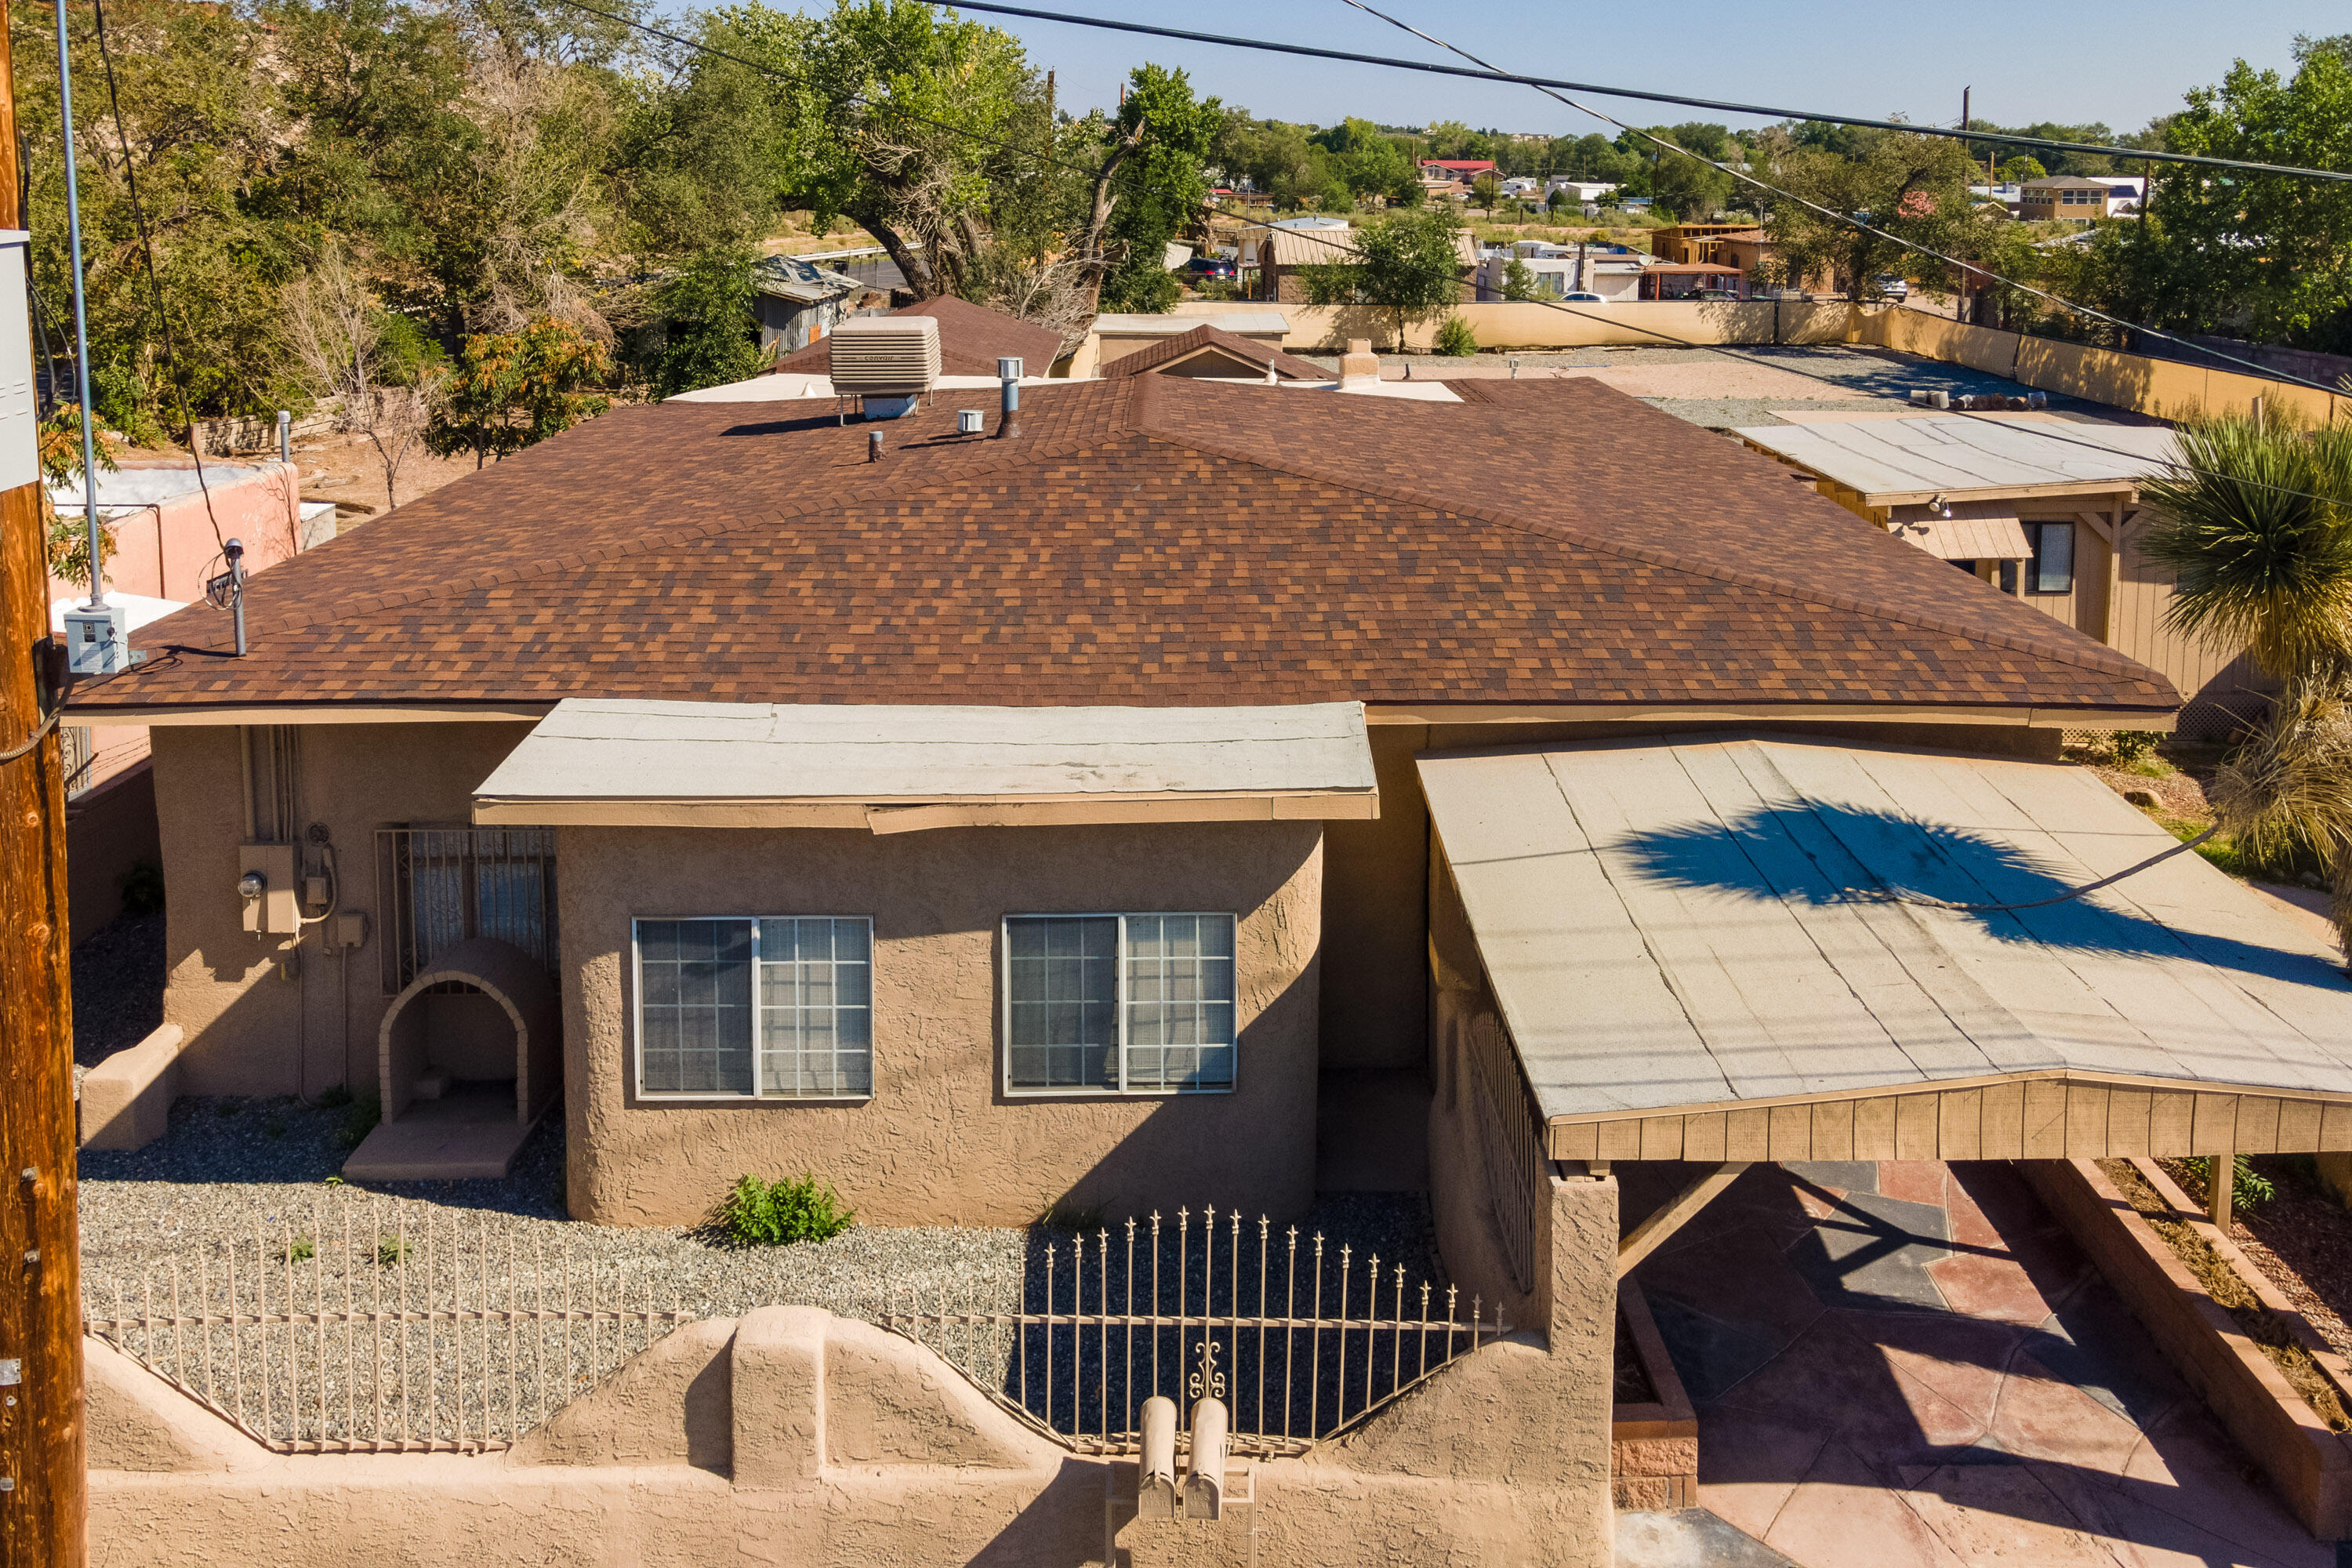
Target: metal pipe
(235,551)
(1008,375)
(81,319)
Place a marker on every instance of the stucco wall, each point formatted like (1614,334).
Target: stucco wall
(247,1023)
(940,1142)
(790,1438)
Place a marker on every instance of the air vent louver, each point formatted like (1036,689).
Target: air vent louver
(885,356)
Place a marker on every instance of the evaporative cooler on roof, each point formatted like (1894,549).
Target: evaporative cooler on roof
(885,356)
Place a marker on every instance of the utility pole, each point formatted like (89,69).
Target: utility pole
(42,1498)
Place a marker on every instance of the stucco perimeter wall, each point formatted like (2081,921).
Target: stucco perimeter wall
(1518,325)
(793,1438)
(940,1142)
(245,1019)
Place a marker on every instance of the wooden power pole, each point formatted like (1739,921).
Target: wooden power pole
(44,1497)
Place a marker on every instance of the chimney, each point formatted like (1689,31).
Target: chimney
(1008,377)
(1359,365)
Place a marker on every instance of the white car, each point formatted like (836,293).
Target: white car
(1583,297)
(1893,287)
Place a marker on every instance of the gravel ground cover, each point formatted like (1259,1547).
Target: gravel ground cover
(253,1183)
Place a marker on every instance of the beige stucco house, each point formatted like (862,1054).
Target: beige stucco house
(1201,791)
(1132,700)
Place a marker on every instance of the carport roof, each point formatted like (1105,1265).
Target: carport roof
(1670,933)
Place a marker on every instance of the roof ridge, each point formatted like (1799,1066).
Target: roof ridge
(2112,664)
(663,538)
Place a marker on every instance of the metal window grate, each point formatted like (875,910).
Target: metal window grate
(437,886)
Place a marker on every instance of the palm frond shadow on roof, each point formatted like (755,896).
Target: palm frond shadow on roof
(1937,861)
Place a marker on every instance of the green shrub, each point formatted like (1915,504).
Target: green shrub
(301,1250)
(143,888)
(360,1117)
(2129,746)
(2249,1189)
(778,1213)
(1457,337)
(390,1250)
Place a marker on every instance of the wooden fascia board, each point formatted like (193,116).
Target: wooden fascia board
(2000,492)
(2047,1114)
(1768,713)
(311,713)
(917,815)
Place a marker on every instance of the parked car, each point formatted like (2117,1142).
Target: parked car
(1583,297)
(1894,288)
(1200,268)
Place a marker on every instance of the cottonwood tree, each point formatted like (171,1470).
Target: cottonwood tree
(1911,189)
(341,340)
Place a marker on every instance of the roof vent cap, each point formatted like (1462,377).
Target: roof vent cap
(970,421)
(885,356)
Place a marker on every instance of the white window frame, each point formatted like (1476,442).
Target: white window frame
(1118,1005)
(757,1096)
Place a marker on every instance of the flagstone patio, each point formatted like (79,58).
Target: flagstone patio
(1900,1365)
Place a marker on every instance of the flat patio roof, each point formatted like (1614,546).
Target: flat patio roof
(892,768)
(1692,948)
(1894,462)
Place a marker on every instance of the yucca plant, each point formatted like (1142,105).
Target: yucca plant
(2257,520)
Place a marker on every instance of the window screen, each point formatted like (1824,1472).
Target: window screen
(809,1035)
(1140,1003)
(816,1006)
(1061,1023)
(694,1007)
(2053,567)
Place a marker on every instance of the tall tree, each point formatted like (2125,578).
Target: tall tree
(1158,188)
(1408,263)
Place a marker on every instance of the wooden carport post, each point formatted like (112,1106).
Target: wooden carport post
(2221,1178)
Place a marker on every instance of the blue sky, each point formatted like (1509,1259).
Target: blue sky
(2069,60)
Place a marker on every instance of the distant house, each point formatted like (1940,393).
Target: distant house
(1519,185)
(1692,280)
(798,301)
(2064,196)
(1453,176)
(1612,271)
(1578,190)
(2008,196)
(1214,351)
(1281,250)
(2050,515)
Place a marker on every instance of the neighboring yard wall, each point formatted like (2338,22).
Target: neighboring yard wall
(1512,324)
(166,551)
(940,1143)
(244,1020)
(108,830)
(2161,387)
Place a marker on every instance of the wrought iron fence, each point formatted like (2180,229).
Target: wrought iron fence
(1510,1144)
(388,1329)
(1301,1339)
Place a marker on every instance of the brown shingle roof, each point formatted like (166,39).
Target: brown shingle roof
(972,338)
(1153,539)
(1184,346)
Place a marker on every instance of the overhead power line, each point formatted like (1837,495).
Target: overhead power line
(1864,225)
(1559,305)
(1489,73)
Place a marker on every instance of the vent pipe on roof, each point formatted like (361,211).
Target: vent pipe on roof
(1008,376)
(874,446)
